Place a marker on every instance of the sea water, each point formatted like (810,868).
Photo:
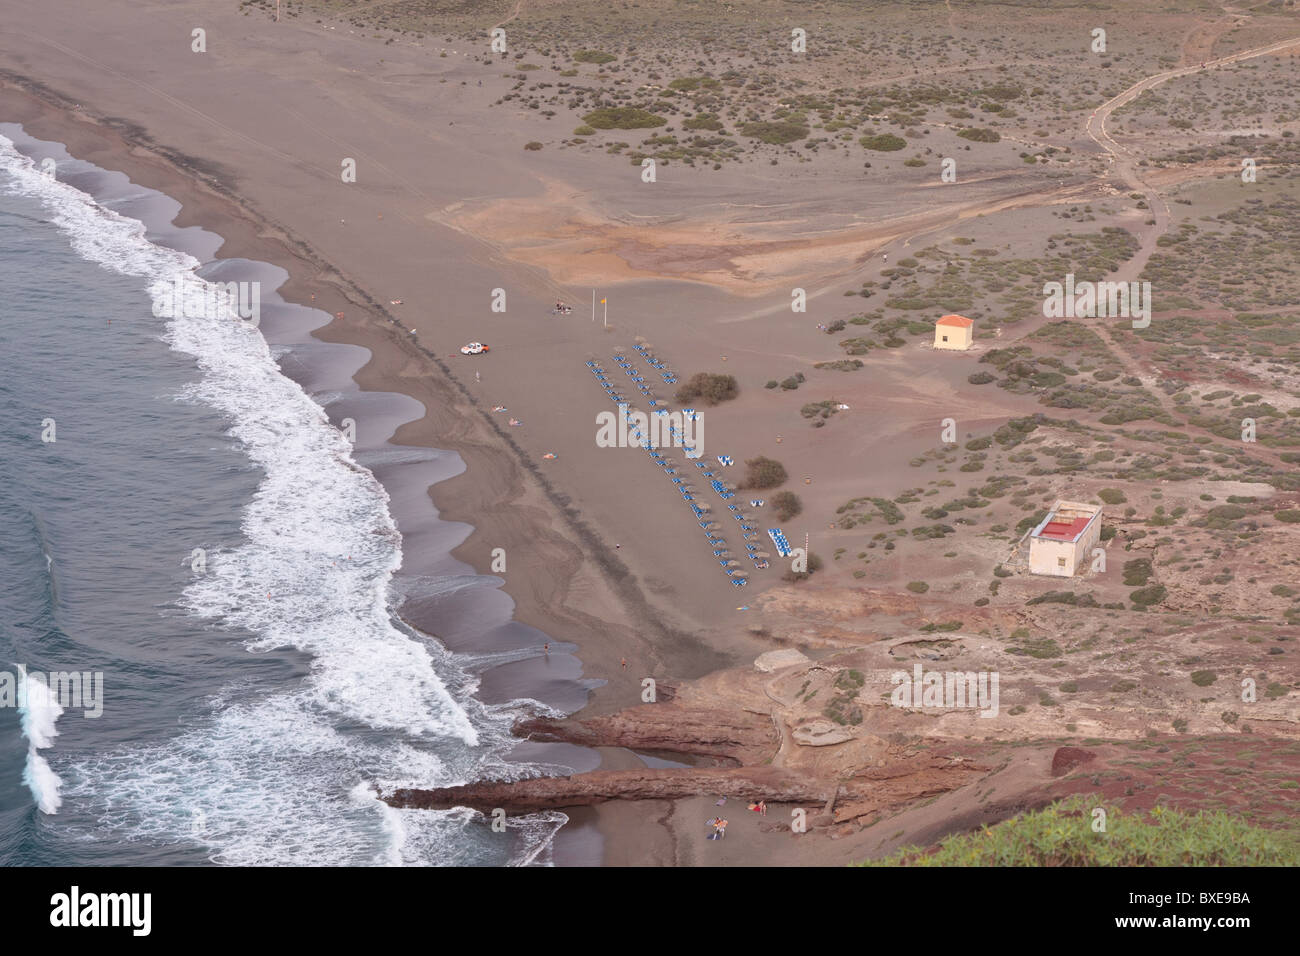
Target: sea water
(200,534)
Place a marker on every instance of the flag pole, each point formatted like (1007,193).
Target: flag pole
(606,304)
(593,305)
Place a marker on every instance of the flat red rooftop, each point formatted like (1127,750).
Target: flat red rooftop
(958,320)
(1064,530)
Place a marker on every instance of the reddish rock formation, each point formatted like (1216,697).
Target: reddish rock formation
(734,736)
(1067,758)
(553,793)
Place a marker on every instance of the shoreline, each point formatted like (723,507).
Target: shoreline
(492,495)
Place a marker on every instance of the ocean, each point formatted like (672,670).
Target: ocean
(203,536)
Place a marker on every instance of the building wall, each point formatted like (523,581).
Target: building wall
(1045,555)
(1091,538)
(958,338)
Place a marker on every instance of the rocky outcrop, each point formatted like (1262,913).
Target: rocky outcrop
(554,793)
(1067,758)
(868,793)
(731,736)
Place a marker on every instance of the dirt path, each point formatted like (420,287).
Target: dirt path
(517,9)
(1124,171)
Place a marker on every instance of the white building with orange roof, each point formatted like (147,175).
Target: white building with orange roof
(954,332)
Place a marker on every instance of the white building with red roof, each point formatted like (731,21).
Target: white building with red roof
(954,332)
(1064,539)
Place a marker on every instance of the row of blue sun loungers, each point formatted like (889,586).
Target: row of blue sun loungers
(669,377)
(717,543)
(778,539)
(610,389)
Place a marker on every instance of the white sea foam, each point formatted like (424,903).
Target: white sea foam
(43,782)
(38,715)
(282,779)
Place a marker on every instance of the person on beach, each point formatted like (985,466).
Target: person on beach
(624,662)
(546,649)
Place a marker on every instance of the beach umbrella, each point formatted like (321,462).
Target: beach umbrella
(733,564)
(705,506)
(713,526)
(761,554)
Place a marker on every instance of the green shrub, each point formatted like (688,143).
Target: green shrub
(594,56)
(1062,835)
(708,387)
(1204,678)
(1227,512)
(980,135)
(775,132)
(623,117)
(1112,496)
(917,587)
(1137,572)
(1148,596)
(884,142)
(707,121)
(763,473)
(787,505)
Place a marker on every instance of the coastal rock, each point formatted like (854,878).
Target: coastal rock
(773,784)
(731,735)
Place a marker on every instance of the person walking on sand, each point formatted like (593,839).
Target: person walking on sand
(478,376)
(624,662)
